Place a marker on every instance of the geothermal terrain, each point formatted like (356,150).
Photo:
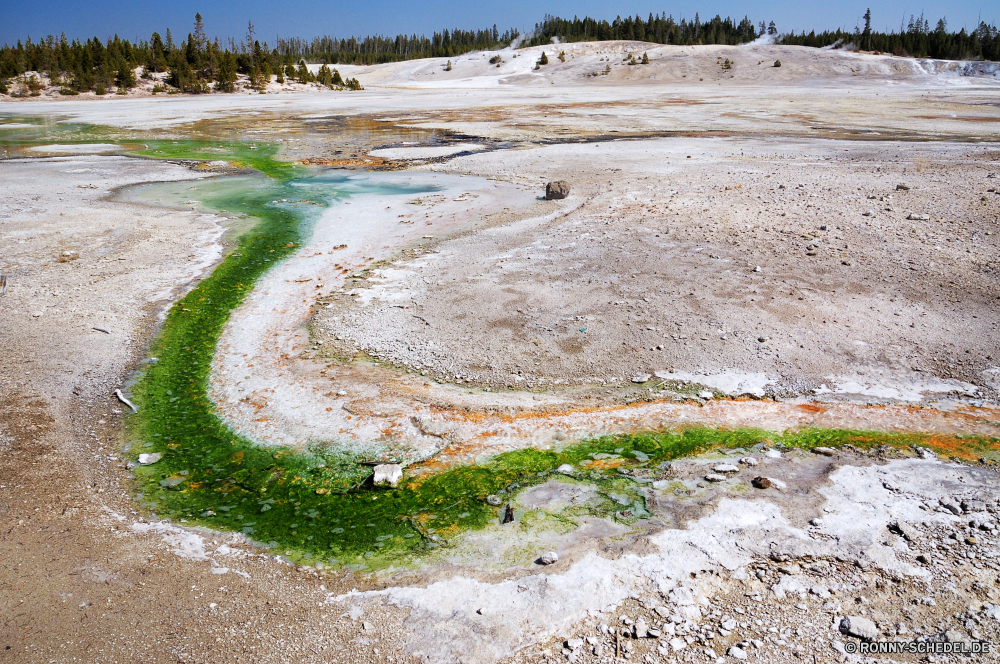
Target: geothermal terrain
(810,245)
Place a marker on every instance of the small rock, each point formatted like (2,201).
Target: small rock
(761,483)
(640,630)
(971,540)
(641,378)
(918,217)
(712,477)
(908,532)
(367,626)
(868,213)
(706,394)
(341,393)
(146,459)
(493,500)
(653,633)
(951,505)
(37,314)
(681,597)
(973,506)
(729,624)
(825,451)
(565,469)
(549,558)
(817,522)
(573,644)
(726,468)
(67,256)
(677,643)
(757,269)
(748,461)
(388,474)
(902,186)
(858,627)
(556,190)
(736,652)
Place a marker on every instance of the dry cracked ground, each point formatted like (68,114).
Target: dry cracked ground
(877,282)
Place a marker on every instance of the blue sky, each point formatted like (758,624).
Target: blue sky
(308,18)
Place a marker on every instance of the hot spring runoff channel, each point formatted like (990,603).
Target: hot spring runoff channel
(317,506)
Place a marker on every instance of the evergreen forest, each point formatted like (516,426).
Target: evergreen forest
(199,64)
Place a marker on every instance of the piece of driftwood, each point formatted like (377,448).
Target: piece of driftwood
(101,329)
(121,397)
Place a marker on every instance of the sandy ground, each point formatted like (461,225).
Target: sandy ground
(83,577)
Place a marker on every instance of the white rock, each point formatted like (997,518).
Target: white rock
(641,378)
(825,451)
(677,643)
(549,558)
(729,624)
(566,469)
(773,454)
(736,652)
(706,394)
(153,457)
(748,461)
(573,644)
(858,627)
(388,474)
(726,468)
(712,477)
(816,522)
(681,596)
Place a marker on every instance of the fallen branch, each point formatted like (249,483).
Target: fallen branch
(121,397)
(101,329)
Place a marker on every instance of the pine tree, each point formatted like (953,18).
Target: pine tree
(125,77)
(867,34)
(225,79)
(199,32)
(544,60)
(645,58)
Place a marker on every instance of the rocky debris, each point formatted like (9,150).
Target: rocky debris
(712,477)
(902,186)
(761,483)
(147,459)
(748,461)
(736,652)
(641,378)
(726,468)
(556,190)
(549,558)
(494,500)
(387,474)
(918,217)
(574,644)
(565,469)
(868,213)
(706,394)
(67,256)
(858,627)
(825,451)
